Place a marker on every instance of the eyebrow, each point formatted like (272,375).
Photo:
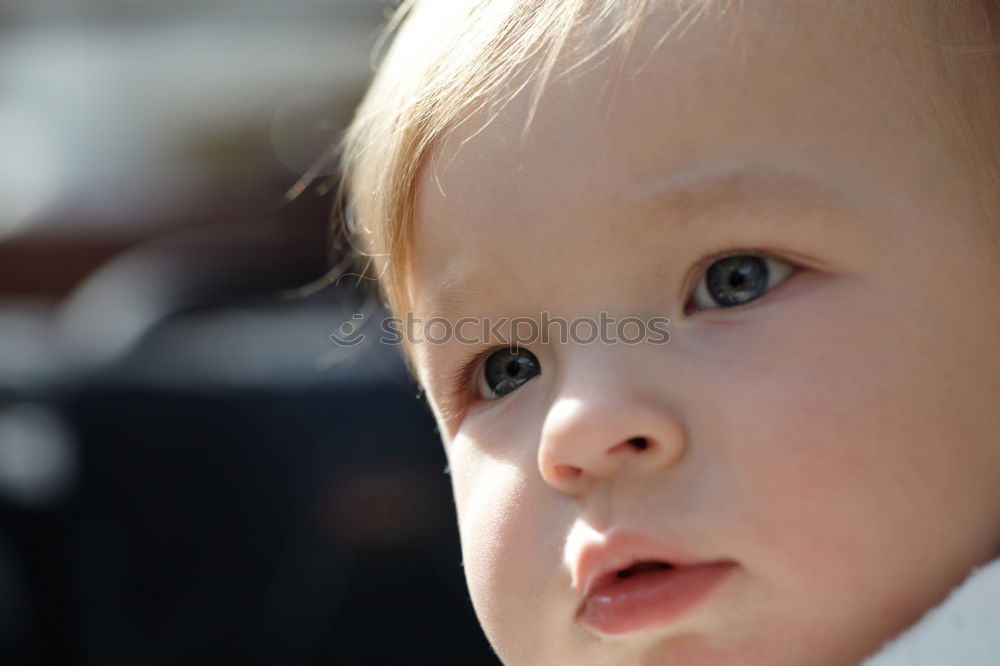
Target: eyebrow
(674,201)
(692,194)
(452,296)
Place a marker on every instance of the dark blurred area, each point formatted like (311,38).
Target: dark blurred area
(191,471)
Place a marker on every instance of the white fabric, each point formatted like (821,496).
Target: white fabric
(963,630)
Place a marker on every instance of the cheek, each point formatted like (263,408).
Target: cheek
(488,497)
(845,466)
(510,534)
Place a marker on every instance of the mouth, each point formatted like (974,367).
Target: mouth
(631,582)
(648,595)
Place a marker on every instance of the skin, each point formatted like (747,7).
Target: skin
(835,438)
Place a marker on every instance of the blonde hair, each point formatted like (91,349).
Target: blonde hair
(451,59)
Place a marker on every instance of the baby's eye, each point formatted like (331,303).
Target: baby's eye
(738,279)
(505,370)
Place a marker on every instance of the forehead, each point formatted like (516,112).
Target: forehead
(757,85)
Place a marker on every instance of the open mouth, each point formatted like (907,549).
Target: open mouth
(642,567)
(648,594)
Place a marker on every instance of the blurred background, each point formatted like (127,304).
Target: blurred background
(191,471)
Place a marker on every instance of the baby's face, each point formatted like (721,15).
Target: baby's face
(815,449)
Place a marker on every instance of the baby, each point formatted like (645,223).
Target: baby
(809,193)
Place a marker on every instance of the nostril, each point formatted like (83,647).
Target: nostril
(639,443)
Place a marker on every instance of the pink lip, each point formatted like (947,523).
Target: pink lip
(651,599)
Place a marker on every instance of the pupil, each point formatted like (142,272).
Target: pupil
(513,367)
(737,279)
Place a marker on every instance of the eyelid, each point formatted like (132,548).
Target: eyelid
(697,272)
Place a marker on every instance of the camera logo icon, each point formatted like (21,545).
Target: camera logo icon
(349,333)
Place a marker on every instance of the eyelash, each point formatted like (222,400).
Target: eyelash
(460,383)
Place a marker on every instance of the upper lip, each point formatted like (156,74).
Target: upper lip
(598,561)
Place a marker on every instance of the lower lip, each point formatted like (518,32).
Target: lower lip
(652,599)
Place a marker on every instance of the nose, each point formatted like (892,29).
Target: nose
(587,439)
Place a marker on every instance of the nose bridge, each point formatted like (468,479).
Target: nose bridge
(607,418)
